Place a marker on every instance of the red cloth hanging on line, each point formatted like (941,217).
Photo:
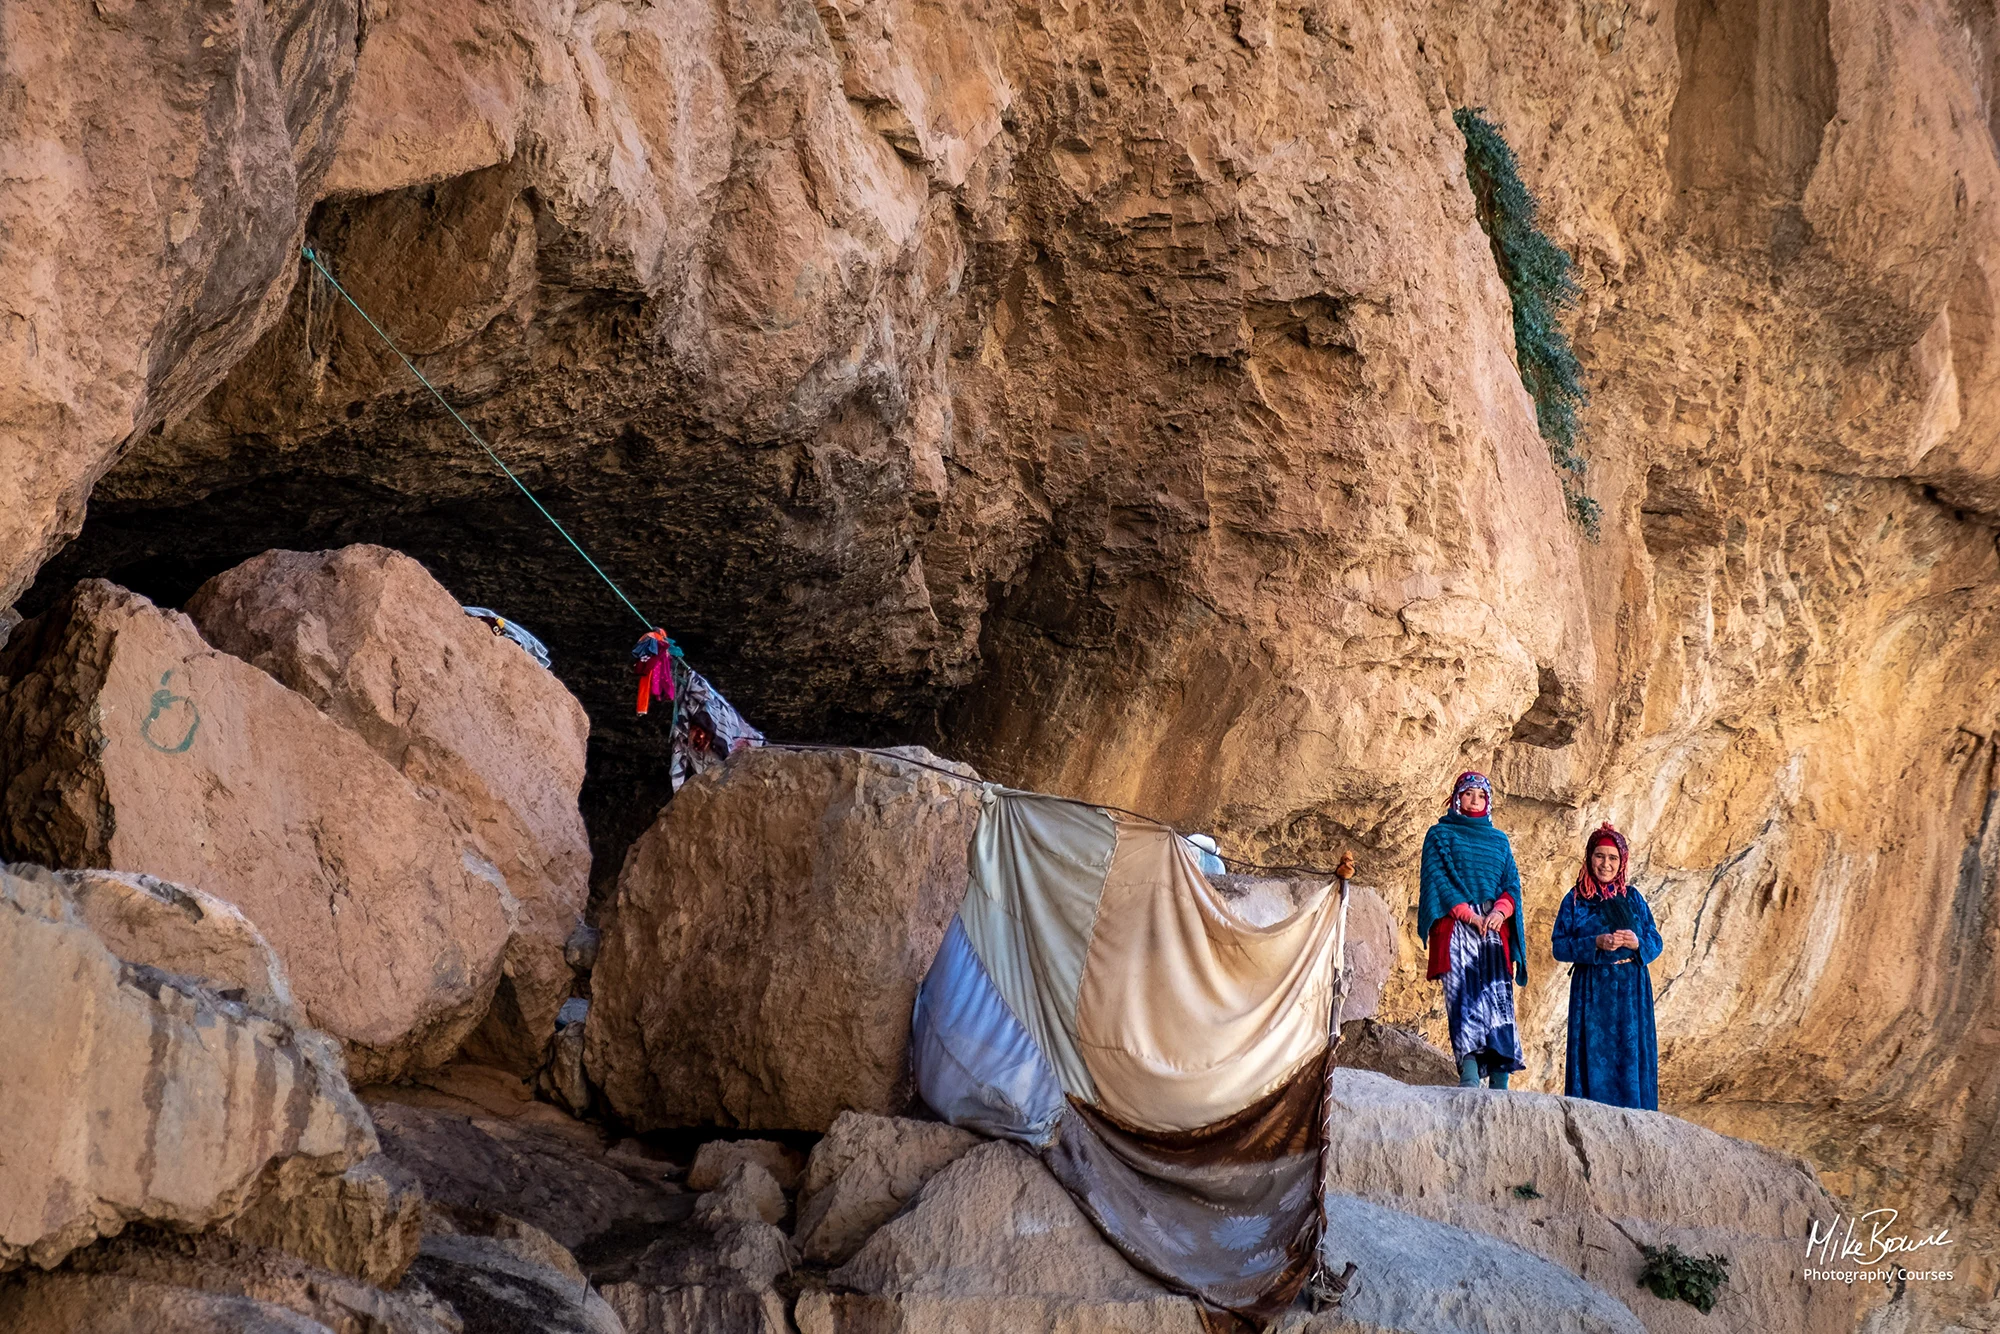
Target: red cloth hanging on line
(653,662)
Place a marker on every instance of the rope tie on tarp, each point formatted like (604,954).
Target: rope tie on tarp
(1342,872)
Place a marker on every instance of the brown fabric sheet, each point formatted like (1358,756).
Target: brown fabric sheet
(1228,1212)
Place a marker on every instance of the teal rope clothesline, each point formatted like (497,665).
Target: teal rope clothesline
(314,259)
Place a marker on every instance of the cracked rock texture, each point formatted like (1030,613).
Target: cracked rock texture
(769,935)
(1607,1180)
(1123,401)
(136,1092)
(380,646)
(159,163)
(126,741)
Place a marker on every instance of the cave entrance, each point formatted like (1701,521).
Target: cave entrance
(492,550)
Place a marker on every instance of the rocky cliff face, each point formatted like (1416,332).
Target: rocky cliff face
(1123,401)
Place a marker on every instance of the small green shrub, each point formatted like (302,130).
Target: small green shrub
(1542,281)
(1672,1273)
(1527,1191)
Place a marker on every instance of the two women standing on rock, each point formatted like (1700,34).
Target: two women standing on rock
(1469,911)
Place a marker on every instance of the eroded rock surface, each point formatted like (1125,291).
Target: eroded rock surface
(1415,1276)
(1606,1180)
(111,1304)
(992,1241)
(381,647)
(134,1094)
(511,1276)
(126,741)
(768,938)
(208,1272)
(719,1157)
(1129,406)
(1398,1052)
(862,1172)
(719,1271)
(153,218)
(529,1163)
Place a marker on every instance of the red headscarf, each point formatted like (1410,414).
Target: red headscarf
(1588,886)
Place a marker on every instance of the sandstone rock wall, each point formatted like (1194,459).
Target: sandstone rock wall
(1124,402)
(126,741)
(135,1091)
(161,160)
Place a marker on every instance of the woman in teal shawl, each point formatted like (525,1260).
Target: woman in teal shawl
(1469,912)
(1605,932)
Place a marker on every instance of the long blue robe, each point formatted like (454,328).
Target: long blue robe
(1614,1054)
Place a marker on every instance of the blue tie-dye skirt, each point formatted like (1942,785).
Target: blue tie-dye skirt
(1479,1001)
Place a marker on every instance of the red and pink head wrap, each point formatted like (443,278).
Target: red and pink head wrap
(1469,780)
(1588,886)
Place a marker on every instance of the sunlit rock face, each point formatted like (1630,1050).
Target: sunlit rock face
(159,163)
(1124,402)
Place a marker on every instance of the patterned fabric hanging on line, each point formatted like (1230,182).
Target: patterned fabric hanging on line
(707,728)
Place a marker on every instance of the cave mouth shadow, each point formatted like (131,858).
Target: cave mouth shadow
(489,550)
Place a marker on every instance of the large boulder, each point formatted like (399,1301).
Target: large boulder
(168,1273)
(861,1174)
(502,1275)
(768,937)
(126,741)
(550,1172)
(144,919)
(992,1242)
(380,646)
(717,1274)
(1604,1180)
(1414,1276)
(134,1093)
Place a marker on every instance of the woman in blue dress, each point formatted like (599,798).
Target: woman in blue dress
(1605,932)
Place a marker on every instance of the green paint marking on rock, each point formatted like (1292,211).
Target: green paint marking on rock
(163,700)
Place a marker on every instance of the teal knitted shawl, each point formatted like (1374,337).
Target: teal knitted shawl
(1467,860)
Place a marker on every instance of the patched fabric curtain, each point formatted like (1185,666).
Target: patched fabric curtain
(1097,1000)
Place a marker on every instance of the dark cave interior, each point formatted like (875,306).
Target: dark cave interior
(491,550)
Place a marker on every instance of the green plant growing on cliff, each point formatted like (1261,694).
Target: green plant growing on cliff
(1541,279)
(1672,1273)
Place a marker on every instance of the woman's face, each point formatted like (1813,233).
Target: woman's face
(1472,801)
(1604,863)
